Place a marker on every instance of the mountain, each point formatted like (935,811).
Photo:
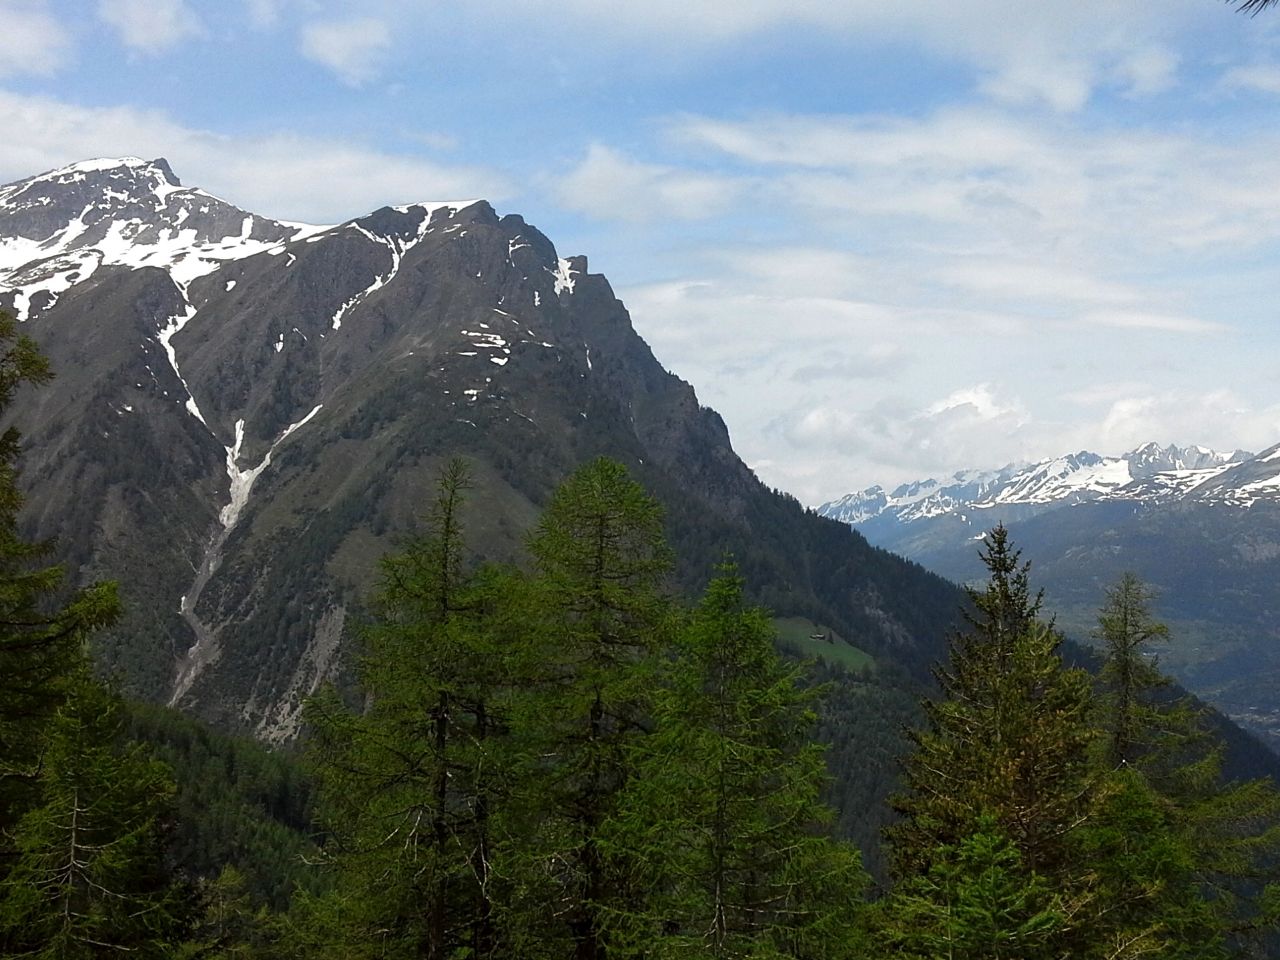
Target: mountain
(249,413)
(1149,474)
(1202,527)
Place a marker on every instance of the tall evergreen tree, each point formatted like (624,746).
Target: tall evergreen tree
(723,818)
(1130,676)
(90,879)
(975,902)
(405,784)
(1218,843)
(599,618)
(1008,738)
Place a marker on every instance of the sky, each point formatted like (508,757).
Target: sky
(885,241)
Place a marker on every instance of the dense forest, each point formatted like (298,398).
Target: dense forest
(563,759)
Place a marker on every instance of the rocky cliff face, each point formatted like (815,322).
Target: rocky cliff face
(248,413)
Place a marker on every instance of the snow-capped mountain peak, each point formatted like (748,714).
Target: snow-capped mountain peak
(1147,473)
(62,226)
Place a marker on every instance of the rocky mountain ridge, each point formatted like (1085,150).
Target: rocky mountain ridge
(1150,473)
(248,413)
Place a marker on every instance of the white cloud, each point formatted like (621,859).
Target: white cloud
(989,178)
(977,401)
(1032,76)
(1010,279)
(353,49)
(1148,70)
(281,175)
(875,361)
(1140,320)
(32,40)
(1055,52)
(611,186)
(150,26)
(1258,77)
(910,442)
(1227,419)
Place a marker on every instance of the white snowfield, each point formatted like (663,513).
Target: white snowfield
(1150,473)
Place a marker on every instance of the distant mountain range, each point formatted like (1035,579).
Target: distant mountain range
(1201,526)
(1148,474)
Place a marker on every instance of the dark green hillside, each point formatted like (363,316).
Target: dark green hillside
(238,804)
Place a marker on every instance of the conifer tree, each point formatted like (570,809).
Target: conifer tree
(975,902)
(1129,673)
(405,784)
(723,818)
(598,618)
(228,927)
(1008,738)
(41,641)
(1194,857)
(89,878)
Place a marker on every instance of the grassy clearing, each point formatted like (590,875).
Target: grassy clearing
(799,632)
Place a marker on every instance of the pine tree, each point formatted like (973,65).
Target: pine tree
(90,879)
(1194,857)
(1008,738)
(597,620)
(406,784)
(723,817)
(1129,673)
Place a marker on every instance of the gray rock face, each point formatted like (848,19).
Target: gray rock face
(249,413)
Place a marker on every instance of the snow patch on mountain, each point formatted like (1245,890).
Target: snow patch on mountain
(165,336)
(563,274)
(242,478)
(121,212)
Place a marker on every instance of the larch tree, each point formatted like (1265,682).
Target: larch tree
(405,782)
(599,617)
(1127,632)
(90,878)
(1192,856)
(723,818)
(41,639)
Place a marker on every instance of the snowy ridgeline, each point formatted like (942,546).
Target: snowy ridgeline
(1148,473)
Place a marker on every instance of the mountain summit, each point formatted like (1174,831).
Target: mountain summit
(57,229)
(249,412)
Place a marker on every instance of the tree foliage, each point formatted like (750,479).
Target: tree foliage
(42,631)
(598,620)
(1006,739)
(90,878)
(406,781)
(723,817)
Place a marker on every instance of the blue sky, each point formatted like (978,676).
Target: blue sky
(884,240)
